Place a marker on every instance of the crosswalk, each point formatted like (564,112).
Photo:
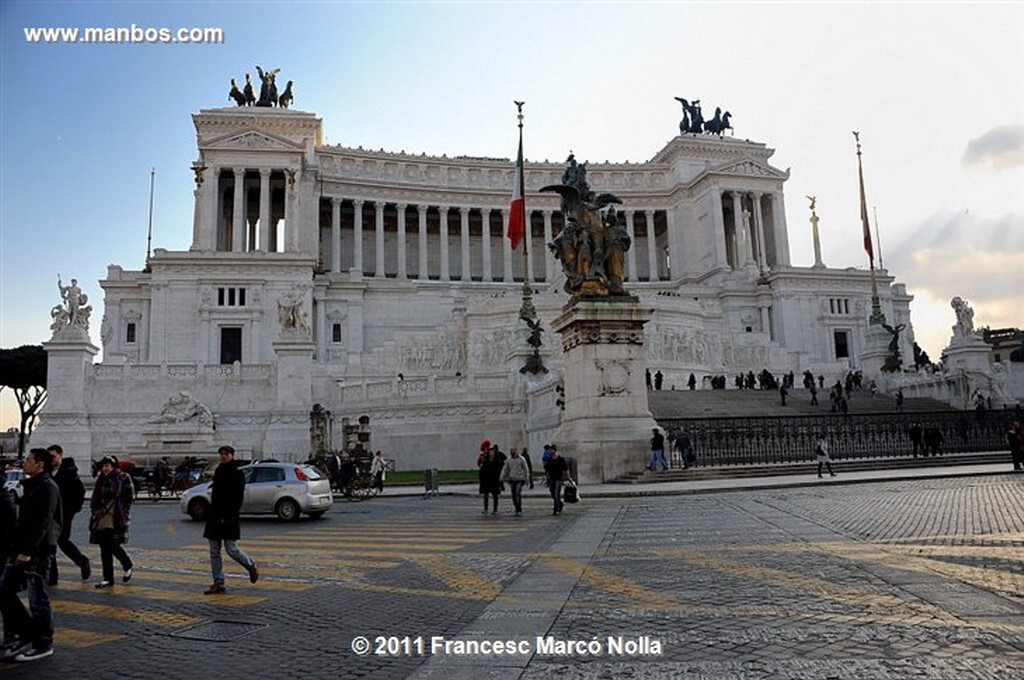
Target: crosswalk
(165,594)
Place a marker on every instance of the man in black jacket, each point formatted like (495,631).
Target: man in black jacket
(72,496)
(35,539)
(222,525)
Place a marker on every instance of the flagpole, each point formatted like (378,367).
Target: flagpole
(527,311)
(877,318)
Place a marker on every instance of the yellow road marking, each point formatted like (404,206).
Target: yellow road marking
(151,574)
(105,611)
(182,596)
(80,639)
(456,576)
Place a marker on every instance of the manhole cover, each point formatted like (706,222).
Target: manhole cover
(218,631)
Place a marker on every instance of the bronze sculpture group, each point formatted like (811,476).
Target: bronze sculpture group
(693,120)
(592,244)
(268,91)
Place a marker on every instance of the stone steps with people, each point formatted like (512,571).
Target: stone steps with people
(667,404)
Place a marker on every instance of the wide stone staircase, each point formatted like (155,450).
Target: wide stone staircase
(667,404)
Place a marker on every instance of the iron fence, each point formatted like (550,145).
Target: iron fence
(791,439)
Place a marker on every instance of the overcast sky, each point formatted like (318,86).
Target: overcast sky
(936,91)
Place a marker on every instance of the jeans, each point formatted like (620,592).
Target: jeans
(36,624)
(217,565)
(658,457)
(555,487)
(517,494)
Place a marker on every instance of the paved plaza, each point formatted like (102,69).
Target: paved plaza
(917,578)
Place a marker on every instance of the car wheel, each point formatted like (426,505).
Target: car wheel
(198,509)
(318,514)
(287,509)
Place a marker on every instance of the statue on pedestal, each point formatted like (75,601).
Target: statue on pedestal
(592,245)
(894,361)
(75,312)
(964,327)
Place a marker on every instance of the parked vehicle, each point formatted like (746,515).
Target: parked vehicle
(283,489)
(12,480)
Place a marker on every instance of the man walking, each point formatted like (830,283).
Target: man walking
(657,451)
(556,470)
(222,524)
(72,497)
(31,631)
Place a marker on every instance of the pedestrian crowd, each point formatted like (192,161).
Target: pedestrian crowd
(38,524)
(496,470)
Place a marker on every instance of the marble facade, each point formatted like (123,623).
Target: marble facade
(381,284)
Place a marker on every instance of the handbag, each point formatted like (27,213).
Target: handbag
(102,521)
(570,494)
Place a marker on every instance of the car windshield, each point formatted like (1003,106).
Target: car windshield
(311,472)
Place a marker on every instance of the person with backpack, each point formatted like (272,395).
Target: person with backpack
(72,496)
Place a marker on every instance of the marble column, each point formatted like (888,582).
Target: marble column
(357,236)
(718,228)
(335,234)
(265,210)
(422,272)
(379,245)
(506,246)
(467,273)
(401,241)
(739,245)
(238,212)
(762,261)
(631,253)
(442,212)
(528,245)
(211,209)
(652,247)
(549,255)
(676,265)
(779,228)
(485,239)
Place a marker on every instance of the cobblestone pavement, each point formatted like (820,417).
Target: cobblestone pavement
(920,579)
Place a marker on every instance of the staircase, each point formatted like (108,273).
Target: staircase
(666,404)
(811,467)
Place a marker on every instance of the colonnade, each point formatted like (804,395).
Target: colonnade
(398,240)
(750,229)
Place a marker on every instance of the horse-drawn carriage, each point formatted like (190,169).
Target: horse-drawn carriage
(350,473)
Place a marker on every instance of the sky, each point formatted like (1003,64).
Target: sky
(935,90)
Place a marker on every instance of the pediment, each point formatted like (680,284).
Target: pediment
(748,168)
(252,140)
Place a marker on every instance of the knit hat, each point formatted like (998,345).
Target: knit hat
(485,445)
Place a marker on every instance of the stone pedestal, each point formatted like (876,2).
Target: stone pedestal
(607,424)
(64,419)
(969,353)
(289,427)
(876,350)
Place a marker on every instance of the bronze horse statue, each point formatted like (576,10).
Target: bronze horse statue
(718,124)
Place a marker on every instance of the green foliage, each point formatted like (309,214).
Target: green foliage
(23,369)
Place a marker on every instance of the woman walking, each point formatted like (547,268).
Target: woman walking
(111,514)
(490,462)
(515,473)
(821,452)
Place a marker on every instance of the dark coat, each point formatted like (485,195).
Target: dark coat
(226,496)
(113,492)
(8,521)
(72,491)
(40,517)
(490,472)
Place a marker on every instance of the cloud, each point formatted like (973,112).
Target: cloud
(1000,148)
(980,259)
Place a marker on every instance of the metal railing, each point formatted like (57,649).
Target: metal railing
(766,440)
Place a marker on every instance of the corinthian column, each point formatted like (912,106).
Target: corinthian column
(401,240)
(652,247)
(485,238)
(357,236)
(443,228)
(335,235)
(379,245)
(631,253)
(265,227)
(422,274)
(467,273)
(506,246)
(238,212)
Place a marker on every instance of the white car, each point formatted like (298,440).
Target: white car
(12,481)
(283,489)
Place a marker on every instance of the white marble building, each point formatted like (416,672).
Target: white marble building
(381,283)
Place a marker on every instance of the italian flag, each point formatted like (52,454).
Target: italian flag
(517,212)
